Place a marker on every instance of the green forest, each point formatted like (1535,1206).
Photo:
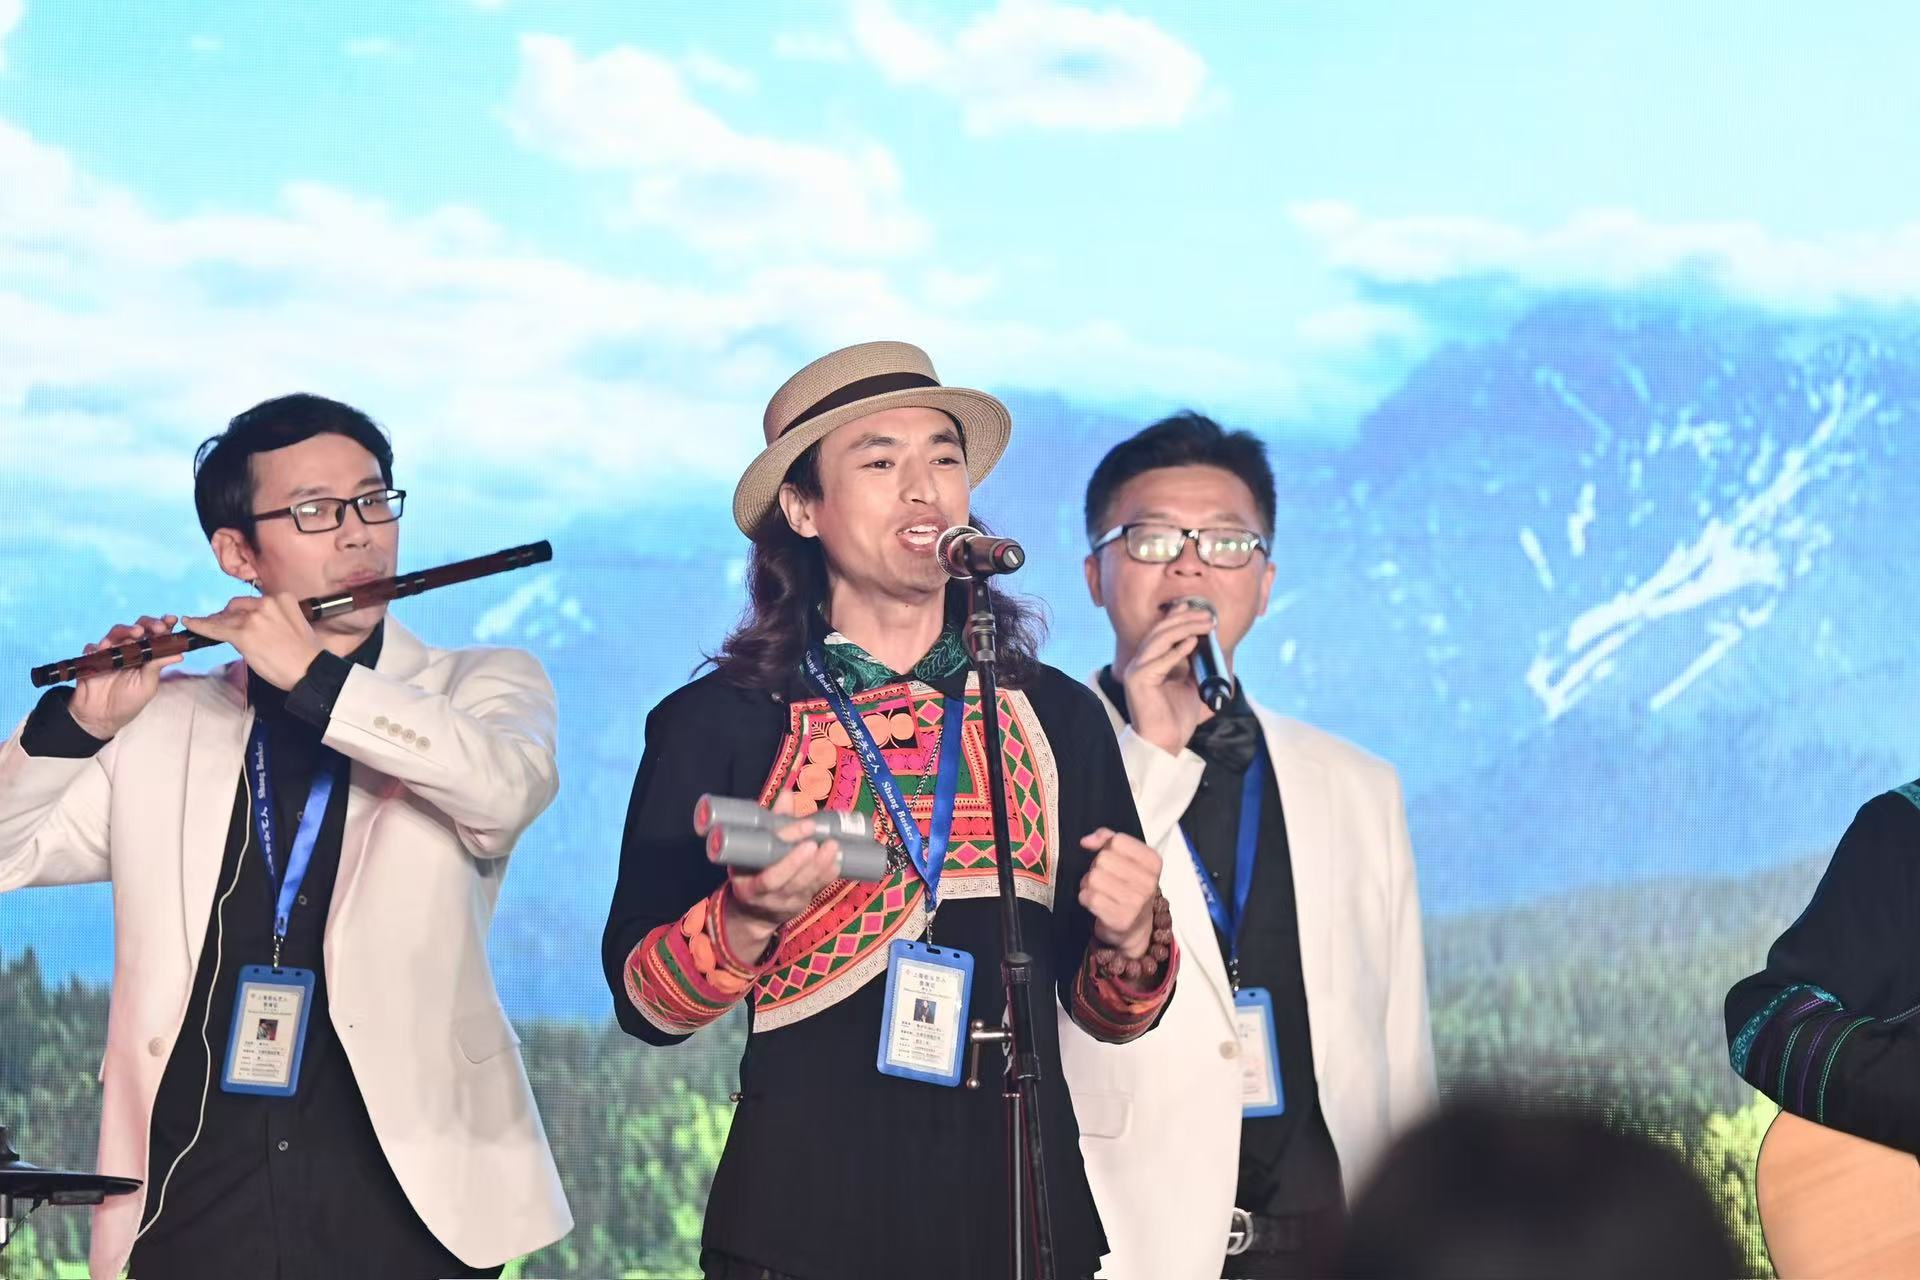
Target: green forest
(1605,999)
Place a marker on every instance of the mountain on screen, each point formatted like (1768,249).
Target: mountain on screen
(1623,590)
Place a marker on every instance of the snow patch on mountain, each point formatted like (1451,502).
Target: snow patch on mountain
(1760,542)
(536,613)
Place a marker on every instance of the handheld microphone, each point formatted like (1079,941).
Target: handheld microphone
(1210,668)
(965,552)
(754,848)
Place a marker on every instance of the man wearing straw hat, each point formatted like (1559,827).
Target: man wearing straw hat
(840,1165)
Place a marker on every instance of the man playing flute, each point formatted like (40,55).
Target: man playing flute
(306,1059)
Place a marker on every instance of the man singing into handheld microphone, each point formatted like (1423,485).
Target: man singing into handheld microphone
(1303,1044)
(855,1153)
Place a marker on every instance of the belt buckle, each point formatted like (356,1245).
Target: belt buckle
(1239,1232)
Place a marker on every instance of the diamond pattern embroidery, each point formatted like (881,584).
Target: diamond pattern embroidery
(869,924)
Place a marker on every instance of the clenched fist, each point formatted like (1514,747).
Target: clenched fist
(1118,890)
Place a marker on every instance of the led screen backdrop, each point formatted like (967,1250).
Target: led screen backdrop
(1584,339)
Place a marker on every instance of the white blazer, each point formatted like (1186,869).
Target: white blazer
(1160,1117)
(452,757)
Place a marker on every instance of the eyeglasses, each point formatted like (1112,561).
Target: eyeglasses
(1163,543)
(322,515)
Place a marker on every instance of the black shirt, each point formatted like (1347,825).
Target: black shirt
(292,1187)
(1827,1029)
(832,1170)
(1288,1164)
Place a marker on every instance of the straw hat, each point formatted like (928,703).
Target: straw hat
(852,383)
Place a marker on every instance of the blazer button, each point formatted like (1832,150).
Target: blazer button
(424,744)
(1229,1049)
(379,722)
(393,729)
(156,1046)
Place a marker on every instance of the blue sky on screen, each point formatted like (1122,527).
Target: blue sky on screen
(621,224)
(1585,336)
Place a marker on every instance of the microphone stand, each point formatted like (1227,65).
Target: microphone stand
(1029,1211)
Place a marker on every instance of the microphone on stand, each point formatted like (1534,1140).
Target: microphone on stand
(965,552)
(1210,670)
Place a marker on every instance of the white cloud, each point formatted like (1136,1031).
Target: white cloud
(117,324)
(11,11)
(808,46)
(1350,325)
(903,52)
(129,335)
(947,289)
(627,111)
(1618,248)
(370,47)
(707,69)
(1038,64)
(206,44)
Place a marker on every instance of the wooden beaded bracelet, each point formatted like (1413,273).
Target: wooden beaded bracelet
(1145,969)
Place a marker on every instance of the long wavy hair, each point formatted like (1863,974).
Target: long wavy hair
(787,581)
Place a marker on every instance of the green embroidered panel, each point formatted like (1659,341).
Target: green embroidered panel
(858,671)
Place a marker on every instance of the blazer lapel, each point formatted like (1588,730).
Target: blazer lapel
(216,747)
(1180,881)
(1303,797)
(1192,926)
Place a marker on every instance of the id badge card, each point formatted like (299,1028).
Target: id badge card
(269,1032)
(923,1032)
(1260,1090)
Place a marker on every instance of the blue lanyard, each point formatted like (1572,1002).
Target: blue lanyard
(265,826)
(1246,845)
(929,854)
